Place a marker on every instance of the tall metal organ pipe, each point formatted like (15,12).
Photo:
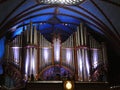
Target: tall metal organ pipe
(82,54)
(56,43)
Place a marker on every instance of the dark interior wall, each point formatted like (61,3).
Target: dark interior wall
(113,65)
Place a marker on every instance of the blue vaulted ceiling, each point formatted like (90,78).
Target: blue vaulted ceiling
(61,19)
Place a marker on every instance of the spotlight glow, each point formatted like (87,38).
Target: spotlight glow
(68,85)
(68,55)
(95,58)
(27,62)
(16,54)
(46,54)
(56,49)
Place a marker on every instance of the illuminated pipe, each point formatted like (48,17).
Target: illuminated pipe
(95,58)
(81,33)
(87,66)
(85,36)
(27,63)
(30,56)
(68,56)
(75,57)
(35,36)
(56,43)
(76,38)
(80,65)
(40,58)
(28,35)
(84,64)
(79,36)
(36,61)
(31,33)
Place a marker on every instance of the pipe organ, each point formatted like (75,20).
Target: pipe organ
(67,53)
(80,54)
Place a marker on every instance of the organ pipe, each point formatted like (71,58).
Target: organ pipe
(80,65)
(35,35)
(85,36)
(81,32)
(28,39)
(56,43)
(75,53)
(31,32)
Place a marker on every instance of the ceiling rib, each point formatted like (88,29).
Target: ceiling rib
(6,18)
(93,16)
(106,18)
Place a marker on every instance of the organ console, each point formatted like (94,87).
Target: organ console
(34,54)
